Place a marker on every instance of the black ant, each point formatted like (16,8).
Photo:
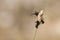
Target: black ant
(39,15)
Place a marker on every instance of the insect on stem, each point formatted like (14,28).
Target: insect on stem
(38,22)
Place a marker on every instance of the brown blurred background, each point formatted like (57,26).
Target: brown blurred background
(18,23)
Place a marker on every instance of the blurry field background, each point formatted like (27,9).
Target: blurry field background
(18,23)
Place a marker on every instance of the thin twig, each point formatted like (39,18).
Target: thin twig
(35,35)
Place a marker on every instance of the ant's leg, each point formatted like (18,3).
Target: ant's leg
(42,21)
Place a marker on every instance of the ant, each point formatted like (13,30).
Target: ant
(40,18)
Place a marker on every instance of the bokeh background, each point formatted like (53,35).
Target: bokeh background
(17,21)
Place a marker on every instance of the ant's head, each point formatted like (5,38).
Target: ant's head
(36,13)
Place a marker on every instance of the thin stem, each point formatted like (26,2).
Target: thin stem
(35,35)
